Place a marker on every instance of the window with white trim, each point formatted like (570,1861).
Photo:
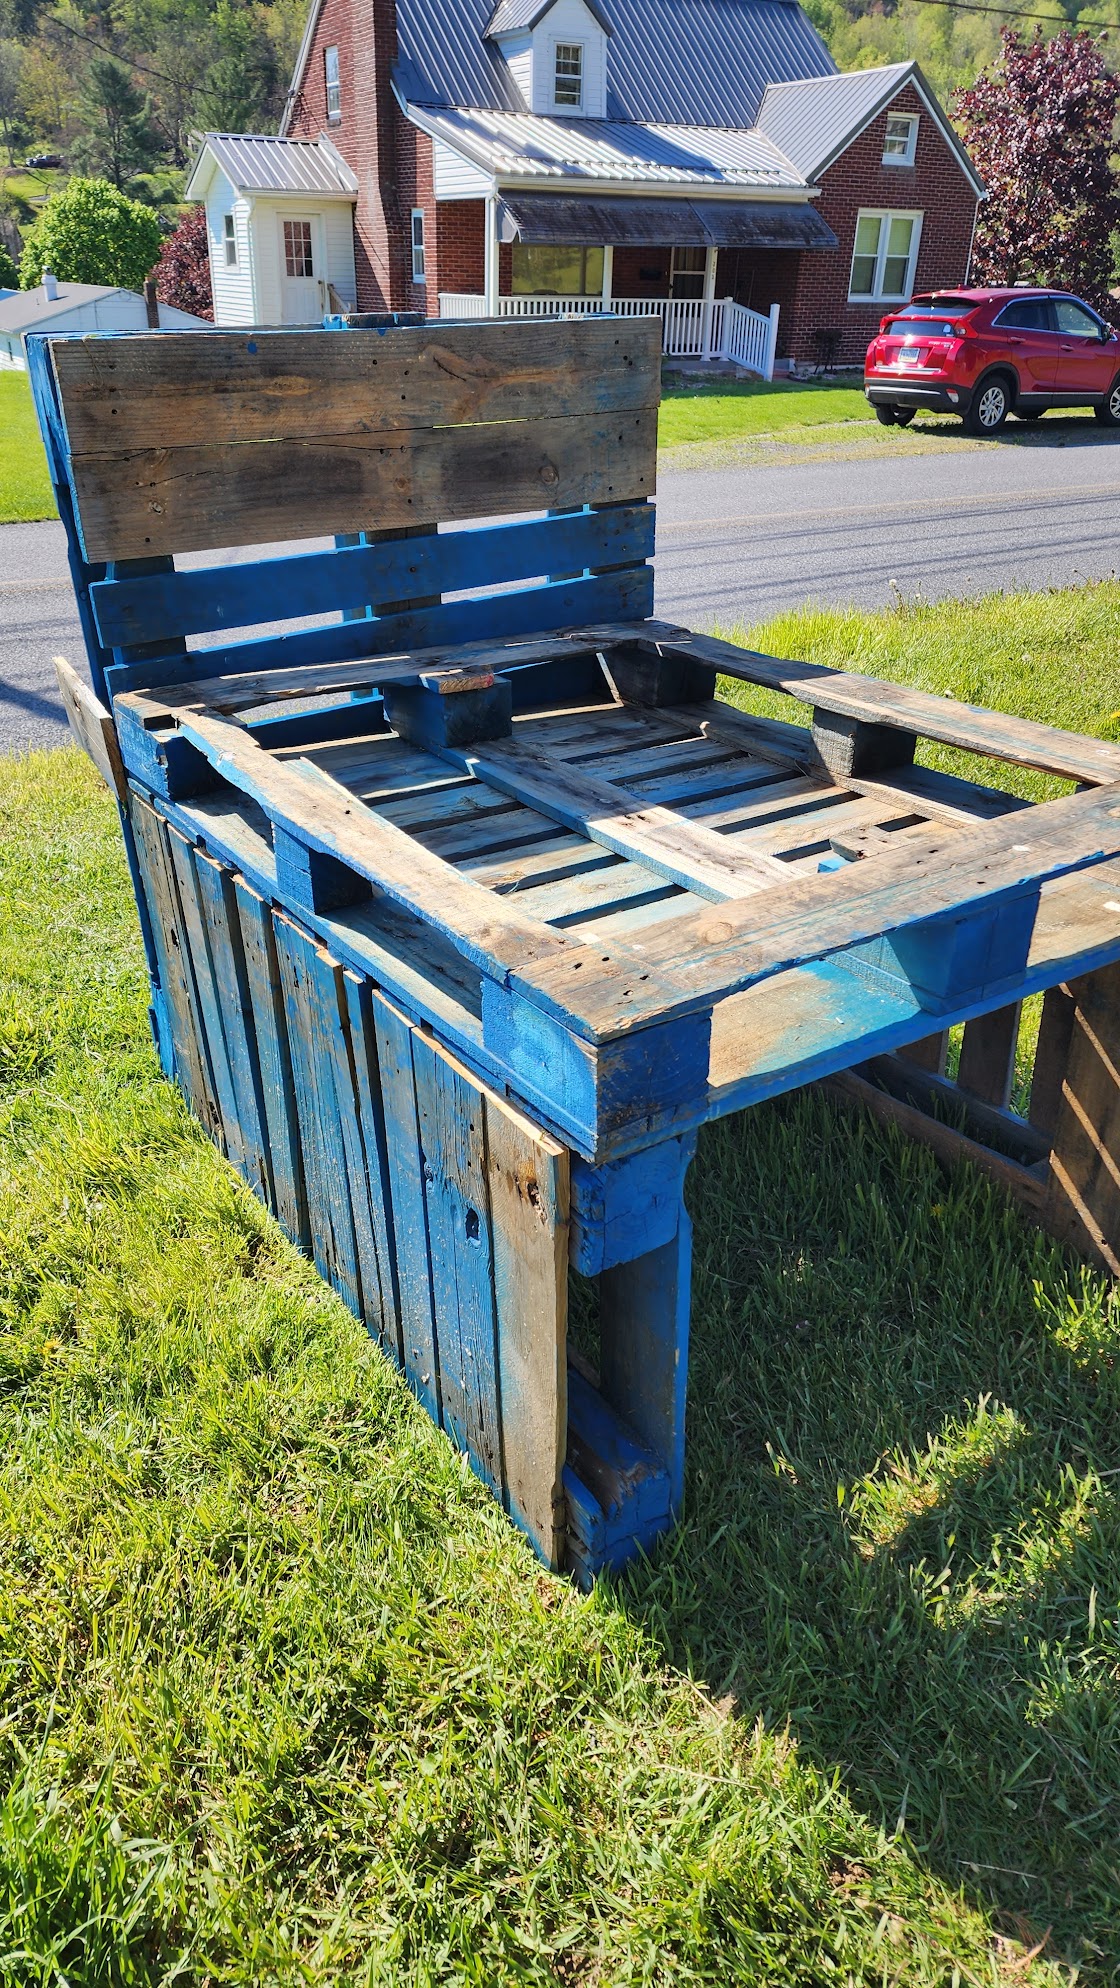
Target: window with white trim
(230,240)
(884,256)
(901,141)
(418,245)
(334,87)
(568,76)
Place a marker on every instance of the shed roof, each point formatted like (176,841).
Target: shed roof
(815,119)
(691,62)
(256,164)
(520,145)
(31,310)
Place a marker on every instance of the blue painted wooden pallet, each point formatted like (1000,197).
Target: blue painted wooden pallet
(466,907)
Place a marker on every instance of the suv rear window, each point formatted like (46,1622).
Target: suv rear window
(938,307)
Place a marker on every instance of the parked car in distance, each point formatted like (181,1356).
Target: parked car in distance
(44,159)
(985,354)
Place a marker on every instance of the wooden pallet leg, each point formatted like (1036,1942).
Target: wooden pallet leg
(626,1436)
(1083,1202)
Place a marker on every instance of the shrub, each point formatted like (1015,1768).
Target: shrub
(183,269)
(91,233)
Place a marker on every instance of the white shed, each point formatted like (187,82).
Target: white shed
(57,306)
(280,227)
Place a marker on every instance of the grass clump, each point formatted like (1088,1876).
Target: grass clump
(25,485)
(285,1699)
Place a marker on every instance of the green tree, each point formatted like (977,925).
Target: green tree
(9,274)
(117,139)
(240,79)
(91,233)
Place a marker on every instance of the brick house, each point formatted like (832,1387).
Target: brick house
(699,158)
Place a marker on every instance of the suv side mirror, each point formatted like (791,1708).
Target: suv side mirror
(1108,333)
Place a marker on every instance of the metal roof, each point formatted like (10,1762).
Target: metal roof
(625,221)
(275,165)
(814,120)
(27,310)
(511,15)
(704,63)
(519,145)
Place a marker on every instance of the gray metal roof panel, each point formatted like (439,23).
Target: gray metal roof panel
(279,165)
(811,118)
(693,62)
(511,15)
(521,145)
(25,310)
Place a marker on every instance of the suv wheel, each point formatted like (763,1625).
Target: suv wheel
(885,414)
(1108,411)
(988,408)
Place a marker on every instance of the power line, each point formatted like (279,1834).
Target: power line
(52,21)
(1012,13)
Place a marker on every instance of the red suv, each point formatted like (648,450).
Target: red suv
(985,354)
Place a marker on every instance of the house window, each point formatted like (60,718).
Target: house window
(334,88)
(551,269)
(885,253)
(418,245)
(230,240)
(297,248)
(686,272)
(568,90)
(901,141)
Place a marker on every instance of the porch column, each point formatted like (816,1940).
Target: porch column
(490,281)
(608,273)
(711,257)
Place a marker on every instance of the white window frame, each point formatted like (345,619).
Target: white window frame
(332,84)
(901,158)
(229,239)
(416,239)
(888,214)
(568,47)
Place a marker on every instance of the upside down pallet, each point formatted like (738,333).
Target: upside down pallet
(466,909)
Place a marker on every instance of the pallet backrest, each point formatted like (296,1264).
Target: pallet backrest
(175,443)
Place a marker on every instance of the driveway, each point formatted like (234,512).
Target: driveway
(742,542)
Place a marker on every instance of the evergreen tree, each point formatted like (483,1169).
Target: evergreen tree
(117,140)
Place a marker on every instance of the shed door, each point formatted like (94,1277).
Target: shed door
(301,289)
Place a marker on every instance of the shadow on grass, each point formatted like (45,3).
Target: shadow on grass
(901,1535)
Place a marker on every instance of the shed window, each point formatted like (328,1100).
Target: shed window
(901,141)
(230,240)
(297,249)
(569,75)
(334,88)
(886,250)
(418,245)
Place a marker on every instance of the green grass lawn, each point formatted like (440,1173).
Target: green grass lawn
(731,410)
(25,487)
(284,1698)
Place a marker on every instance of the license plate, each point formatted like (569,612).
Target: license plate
(910,355)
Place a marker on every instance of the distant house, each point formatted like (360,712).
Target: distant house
(700,158)
(57,306)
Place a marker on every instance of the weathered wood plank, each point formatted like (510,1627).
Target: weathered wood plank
(1051,1057)
(529,1199)
(716,952)
(92,726)
(367,1077)
(1026,1183)
(1083,1202)
(214,882)
(987,1065)
(393,1037)
(324,1159)
(270,1030)
(969,726)
(196,947)
(176,980)
(238,387)
(191,497)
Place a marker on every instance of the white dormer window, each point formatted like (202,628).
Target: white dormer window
(568,75)
(229,238)
(901,141)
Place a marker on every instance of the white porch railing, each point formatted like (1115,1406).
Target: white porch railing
(692,327)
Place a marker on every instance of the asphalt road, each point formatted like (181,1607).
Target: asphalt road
(737,544)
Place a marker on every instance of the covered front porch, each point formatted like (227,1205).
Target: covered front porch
(706,268)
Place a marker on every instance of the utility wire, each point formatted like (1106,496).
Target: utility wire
(126,62)
(1012,13)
